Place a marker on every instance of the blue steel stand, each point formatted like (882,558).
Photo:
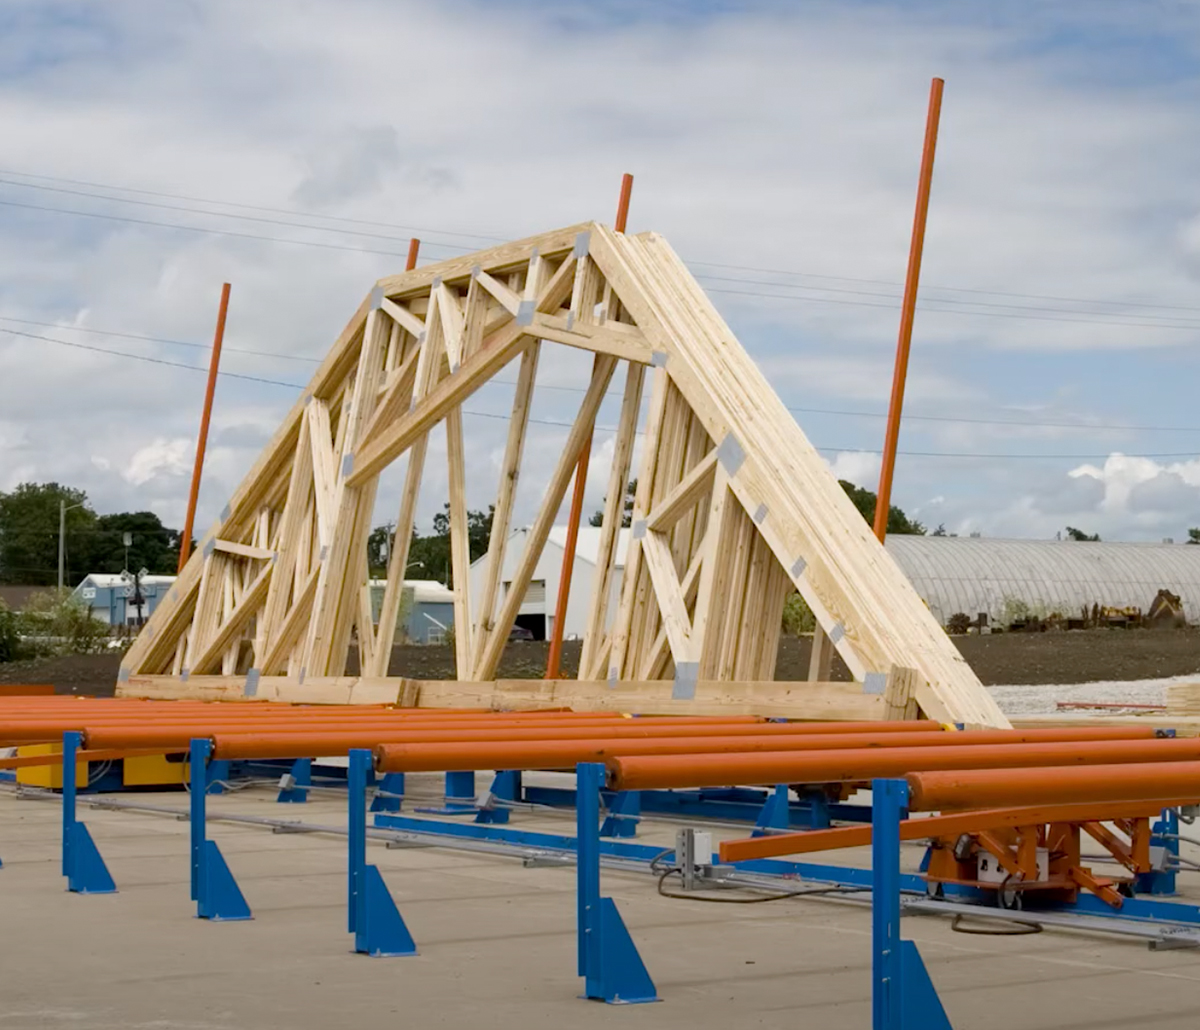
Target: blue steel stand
(775,814)
(392,783)
(609,962)
(460,795)
(372,916)
(82,864)
(218,775)
(301,773)
(902,997)
(624,814)
(214,889)
(506,786)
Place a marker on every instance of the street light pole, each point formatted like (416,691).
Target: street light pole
(63,508)
(62,535)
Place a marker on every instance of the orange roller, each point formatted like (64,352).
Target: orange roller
(38,730)
(335,740)
(1165,783)
(419,756)
(709,770)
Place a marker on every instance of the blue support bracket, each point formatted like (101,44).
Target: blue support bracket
(214,889)
(391,784)
(379,929)
(82,863)
(819,814)
(460,790)
(460,796)
(902,996)
(624,814)
(218,775)
(301,774)
(506,786)
(608,959)
(775,815)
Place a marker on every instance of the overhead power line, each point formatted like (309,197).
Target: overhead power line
(491,238)
(159,339)
(576,389)
(257,207)
(559,423)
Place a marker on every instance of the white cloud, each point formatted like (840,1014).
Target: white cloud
(858,467)
(770,137)
(156,458)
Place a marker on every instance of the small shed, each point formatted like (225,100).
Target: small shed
(426,611)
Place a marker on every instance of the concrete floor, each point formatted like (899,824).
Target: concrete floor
(497,944)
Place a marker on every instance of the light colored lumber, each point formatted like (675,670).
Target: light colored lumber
(506,494)
(540,530)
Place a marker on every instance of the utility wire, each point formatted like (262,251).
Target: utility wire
(226,214)
(393,253)
(147,358)
(924,307)
(158,339)
(493,238)
(1178,321)
(607,429)
(797,409)
(213,232)
(254,207)
(950,289)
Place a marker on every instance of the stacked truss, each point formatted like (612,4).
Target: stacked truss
(734,508)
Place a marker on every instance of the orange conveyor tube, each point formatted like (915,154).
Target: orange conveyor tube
(707,770)
(317,740)
(417,756)
(1168,783)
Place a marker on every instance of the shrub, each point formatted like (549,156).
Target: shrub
(797,616)
(59,624)
(10,635)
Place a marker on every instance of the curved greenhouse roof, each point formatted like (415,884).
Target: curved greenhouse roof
(973,574)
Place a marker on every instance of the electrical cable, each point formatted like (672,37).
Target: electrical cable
(251,207)
(1022,928)
(610,429)
(504,239)
(159,339)
(762,899)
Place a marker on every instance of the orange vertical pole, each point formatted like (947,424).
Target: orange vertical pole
(185,542)
(908,308)
(554,658)
(414,247)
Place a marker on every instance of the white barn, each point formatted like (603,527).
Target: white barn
(537,613)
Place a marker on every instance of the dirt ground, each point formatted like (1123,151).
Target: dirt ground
(1006,658)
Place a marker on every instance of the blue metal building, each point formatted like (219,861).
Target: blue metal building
(111,598)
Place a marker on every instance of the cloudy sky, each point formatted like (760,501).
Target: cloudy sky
(154,149)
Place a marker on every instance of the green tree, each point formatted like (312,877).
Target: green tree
(429,556)
(1079,534)
(1194,535)
(864,500)
(154,547)
(597,518)
(29,533)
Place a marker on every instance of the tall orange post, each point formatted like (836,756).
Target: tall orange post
(414,247)
(883,502)
(185,543)
(554,658)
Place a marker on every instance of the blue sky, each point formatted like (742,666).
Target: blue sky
(775,145)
